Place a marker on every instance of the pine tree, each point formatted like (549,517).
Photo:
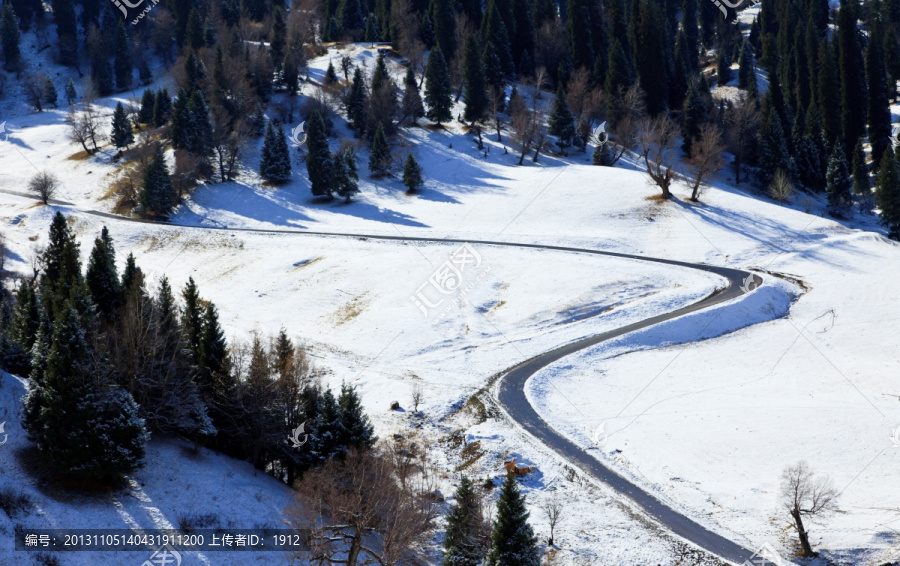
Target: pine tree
(346,176)
(132,277)
(102,278)
(773,151)
(651,58)
(327,442)
(9,36)
(162,107)
(829,92)
(157,195)
(723,67)
(853,79)
(194,37)
(319,163)
(888,193)
(122,135)
(123,64)
(380,154)
(82,429)
(71,93)
(278,38)
(562,123)
(444,23)
(476,98)
(330,75)
(512,538)
(66,30)
(861,185)
(358,431)
(50,94)
(878,105)
(148,101)
(581,48)
(102,77)
(61,278)
(438,92)
(618,75)
(212,357)
(192,318)
(411,105)
(693,116)
(746,70)
(412,173)
(463,543)
(356,102)
(275,163)
(838,183)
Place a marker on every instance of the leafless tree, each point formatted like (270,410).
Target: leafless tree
(229,146)
(33,88)
(464,28)
(343,503)
(707,159)
(528,124)
(44,186)
(552,509)
(656,137)
(803,494)
(405,21)
(497,102)
(781,187)
(585,104)
(85,126)
(625,112)
(187,171)
(416,395)
(741,127)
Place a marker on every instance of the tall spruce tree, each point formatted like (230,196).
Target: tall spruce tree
(123,63)
(723,67)
(829,92)
(356,102)
(319,164)
(411,104)
(562,123)
(693,116)
(860,174)
(71,93)
(9,37)
(853,78)
(438,92)
(746,70)
(773,149)
(162,107)
(444,23)
(278,38)
(358,432)
(102,278)
(412,173)
(888,193)
(50,94)
(275,162)
(476,97)
(651,58)
(512,538)
(157,195)
(122,134)
(379,154)
(464,544)
(838,183)
(346,175)
(878,104)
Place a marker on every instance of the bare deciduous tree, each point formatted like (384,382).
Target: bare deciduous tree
(742,124)
(626,110)
(656,138)
(781,187)
(85,126)
(33,88)
(44,186)
(343,503)
(803,494)
(528,123)
(416,396)
(552,509)
(707,159)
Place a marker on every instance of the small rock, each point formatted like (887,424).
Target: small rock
(395,405)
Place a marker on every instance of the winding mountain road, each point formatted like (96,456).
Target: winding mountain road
(510,391)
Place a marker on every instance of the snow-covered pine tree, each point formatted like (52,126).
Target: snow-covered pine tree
(215,367)
(200,138)
(275,162)
(71,93)
(464,543)
(411,107)
(356,102)
(379,154)
(346,174)
(888,193)
(357,431)
(838,183)
(319,163)
(330,75)
(476,97)
(157,195)
(122,134)
(327,442)
(512,538)
(412,173)
(81,426)
(102,278)
(50,94)
(562,123)
(438,92)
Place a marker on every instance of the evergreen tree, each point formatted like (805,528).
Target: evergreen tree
(66,30)
(651,58)
(412,101)
(352,20)
(838,183)
(275,163)
(122,135)
(512,538)
(356,102)
(148,101)
(412,173)
(194,37)
(853,79)
(212,355)
(157,195)
(102,278)
(358,431)
(618,76)
(330,75)
(102,77)
(581,47)
(828,92)
(438,92)
(132,277)
(444,23)
(888,193)
(80,426)
(162,107)
(773,151)
(199,127)
(746,70)
(693,116)
(319,163)
(194,73)
(278,38)
(61,278)
(476,97)
(878,104)
(463,543)
(327,441)
(723,67)
(380,154)
(860,175)
(192,319)
(50,94)
(123,63)
(346,176)
(26,316)
(71,93)
(9,36)
(562,123)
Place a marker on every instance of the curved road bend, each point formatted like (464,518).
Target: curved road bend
(511,389)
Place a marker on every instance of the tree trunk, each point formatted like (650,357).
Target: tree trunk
(353,553)
(805,548)
(522,155)
(695,195)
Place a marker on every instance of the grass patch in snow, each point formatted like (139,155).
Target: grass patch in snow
(189,522)
(14,502)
